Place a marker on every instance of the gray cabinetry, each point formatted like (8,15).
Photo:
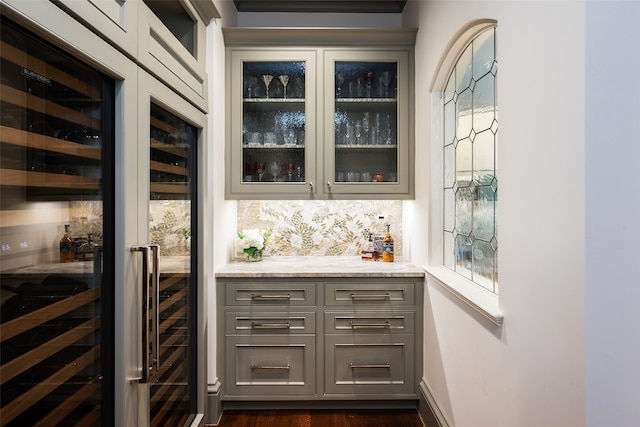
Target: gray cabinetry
(320,338)
(269,339)
(370,338)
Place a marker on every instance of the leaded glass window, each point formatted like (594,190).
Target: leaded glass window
(470,164)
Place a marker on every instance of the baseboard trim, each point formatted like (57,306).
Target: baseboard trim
(428,409)
(214,404)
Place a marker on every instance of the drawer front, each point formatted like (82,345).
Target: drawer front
(269,367)
(370,322)
(385,294)
(270,294)
(370,366)
(266,323)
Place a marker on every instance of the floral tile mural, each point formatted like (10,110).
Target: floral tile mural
(321,228)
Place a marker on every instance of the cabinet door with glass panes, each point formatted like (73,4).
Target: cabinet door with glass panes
(271,140)
(368,124)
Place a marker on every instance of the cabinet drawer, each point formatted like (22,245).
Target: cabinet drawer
(371,322)
(270,293)
(270,367)
(373,365)
(265,323)
(362,294)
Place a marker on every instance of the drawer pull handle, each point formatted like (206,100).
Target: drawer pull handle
(269,368)
(385,365)
(270,297)
(384,325)
(371,297)
(255,325)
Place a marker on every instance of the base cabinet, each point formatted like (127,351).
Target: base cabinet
(320,339)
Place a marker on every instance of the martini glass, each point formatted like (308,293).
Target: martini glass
(266,78)
(284,79)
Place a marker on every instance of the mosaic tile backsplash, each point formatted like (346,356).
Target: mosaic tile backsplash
(329,228)
(169,224)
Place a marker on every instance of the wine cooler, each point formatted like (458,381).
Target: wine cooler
(95,331)
(56,142)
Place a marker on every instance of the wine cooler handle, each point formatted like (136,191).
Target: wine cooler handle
(146,283)
(155,283)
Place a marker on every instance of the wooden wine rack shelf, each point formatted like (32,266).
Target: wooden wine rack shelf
(9,135)
(34,103)
(27,324)
(13,177)
(23,59)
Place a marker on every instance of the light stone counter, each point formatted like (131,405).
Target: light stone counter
(321,266)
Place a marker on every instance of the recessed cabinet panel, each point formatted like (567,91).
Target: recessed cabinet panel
(270,367)
(369,365)
(114,19)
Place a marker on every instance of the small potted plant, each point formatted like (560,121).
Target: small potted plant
(252,243)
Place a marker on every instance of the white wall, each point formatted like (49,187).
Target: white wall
(613,210)
(531,371)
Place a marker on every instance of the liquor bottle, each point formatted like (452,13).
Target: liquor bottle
(67,246)
(387,244)
(369,253)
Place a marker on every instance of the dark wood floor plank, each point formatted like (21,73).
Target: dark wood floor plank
(321,418)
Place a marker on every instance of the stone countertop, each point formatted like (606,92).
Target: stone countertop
(320,266)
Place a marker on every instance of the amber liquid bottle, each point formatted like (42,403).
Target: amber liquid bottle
(67,246)
(387,245)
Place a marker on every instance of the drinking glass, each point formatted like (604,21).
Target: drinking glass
(266,78)
(284,79)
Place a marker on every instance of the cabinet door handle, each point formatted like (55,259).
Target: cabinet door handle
(371,297)
(384,325)
(329,184)
(155,283)
(385,365)
(311,185)
(150,283)
(270,297)
(255,325)
(269,368)
(146,283)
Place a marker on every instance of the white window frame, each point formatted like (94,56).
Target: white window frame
(478,298)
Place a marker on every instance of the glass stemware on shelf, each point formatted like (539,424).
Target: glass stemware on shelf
(284,79)
(274,169)
(385,80)
(266,78)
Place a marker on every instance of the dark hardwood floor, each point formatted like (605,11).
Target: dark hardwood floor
(321,418)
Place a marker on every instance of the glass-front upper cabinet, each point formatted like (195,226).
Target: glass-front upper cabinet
(272,136)
(367,127)
(320,113)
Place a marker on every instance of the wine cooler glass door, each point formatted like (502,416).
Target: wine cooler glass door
(57,234)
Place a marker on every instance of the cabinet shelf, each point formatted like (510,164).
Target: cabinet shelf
(274,100)
(365,147)
(13,177)
(23,138)
(366,100)
(274,147)
(34,103)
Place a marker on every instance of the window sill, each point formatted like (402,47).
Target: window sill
(481,300)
